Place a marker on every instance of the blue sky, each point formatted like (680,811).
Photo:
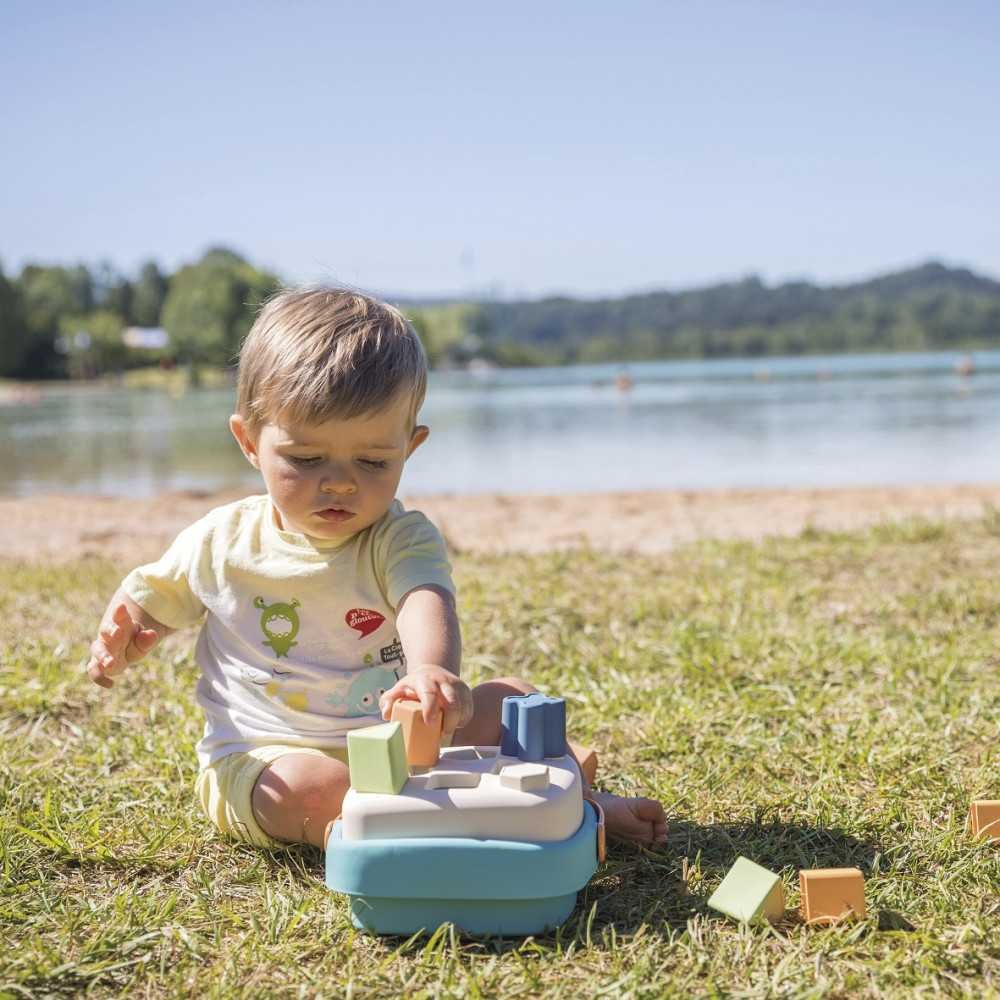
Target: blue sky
(515,149)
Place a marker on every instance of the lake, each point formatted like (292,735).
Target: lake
(817,421)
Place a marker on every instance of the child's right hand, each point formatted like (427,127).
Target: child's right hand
(120,642)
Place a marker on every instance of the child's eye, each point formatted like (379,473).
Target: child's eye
(299,460)
(372,463)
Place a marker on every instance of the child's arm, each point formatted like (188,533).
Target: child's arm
(126,634)
(432,642)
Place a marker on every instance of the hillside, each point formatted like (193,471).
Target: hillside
(923,308)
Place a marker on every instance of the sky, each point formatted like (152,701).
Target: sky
(509,150)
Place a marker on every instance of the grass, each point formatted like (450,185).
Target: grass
(821,701)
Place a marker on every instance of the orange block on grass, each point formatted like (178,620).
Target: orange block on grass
(984,818)
(832,894)
(423,742)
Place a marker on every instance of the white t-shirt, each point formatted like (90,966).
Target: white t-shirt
(300,637)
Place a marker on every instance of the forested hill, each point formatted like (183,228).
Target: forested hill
(59,321)
(927,307)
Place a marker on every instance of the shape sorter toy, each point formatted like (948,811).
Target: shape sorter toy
(984,819)
(496,840)
(749,893)
(830,895)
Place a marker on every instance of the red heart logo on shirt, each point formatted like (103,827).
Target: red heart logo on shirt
(363,620)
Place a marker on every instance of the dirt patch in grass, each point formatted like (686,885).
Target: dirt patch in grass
(66,528)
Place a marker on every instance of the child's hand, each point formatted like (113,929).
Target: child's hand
(119,642)
(438,691)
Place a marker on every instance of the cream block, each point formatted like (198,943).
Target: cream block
(525,777)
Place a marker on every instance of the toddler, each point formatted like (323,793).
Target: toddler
(324,600)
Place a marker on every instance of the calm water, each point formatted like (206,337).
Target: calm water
(890,419)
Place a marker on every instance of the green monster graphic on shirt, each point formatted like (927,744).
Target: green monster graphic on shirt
(280,623)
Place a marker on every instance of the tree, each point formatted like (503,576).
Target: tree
(48,294)
(148,294)
(92,343)
(13,344)
(212,304)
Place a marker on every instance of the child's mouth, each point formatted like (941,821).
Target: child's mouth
(335,514)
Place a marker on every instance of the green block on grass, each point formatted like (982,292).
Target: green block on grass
(376,756)
(749,893)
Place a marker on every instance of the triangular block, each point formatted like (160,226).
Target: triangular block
(749,893)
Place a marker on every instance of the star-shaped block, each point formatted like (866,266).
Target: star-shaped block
(532,726)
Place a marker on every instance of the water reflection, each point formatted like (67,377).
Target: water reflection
(868,419)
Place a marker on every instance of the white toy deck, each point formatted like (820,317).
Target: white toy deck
(474,792)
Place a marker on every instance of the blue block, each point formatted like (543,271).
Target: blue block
(533,726)
(482,886)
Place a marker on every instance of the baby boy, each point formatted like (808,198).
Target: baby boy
(324,600)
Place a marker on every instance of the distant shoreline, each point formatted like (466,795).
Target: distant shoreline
(61,528)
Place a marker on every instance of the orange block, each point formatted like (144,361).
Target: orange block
(423,742)
(984,818)
(587,759)
(831,894)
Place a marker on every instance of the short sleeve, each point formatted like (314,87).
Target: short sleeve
(411,553)
(166,589)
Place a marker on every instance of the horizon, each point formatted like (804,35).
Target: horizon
(445,298)
(568,151)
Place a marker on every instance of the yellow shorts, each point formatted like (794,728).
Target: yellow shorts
(225,789)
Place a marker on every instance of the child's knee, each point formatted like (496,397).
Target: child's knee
(298,794)
(508,686)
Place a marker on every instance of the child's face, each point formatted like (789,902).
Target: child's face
(334,479)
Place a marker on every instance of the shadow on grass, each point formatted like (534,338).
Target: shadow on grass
(639,887)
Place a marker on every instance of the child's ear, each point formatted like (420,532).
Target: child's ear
(247,444)
(420,434)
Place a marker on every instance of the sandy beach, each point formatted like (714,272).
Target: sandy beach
(59,528)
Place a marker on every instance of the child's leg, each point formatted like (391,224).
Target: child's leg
(642,820)
(484,729)
(487,698)
(297,795)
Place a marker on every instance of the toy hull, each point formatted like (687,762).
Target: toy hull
(500,917)
(402,886)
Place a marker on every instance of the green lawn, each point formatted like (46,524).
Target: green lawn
(822,701)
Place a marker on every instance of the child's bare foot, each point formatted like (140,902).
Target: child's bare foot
(641,821)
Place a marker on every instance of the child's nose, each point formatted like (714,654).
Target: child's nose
(338,481)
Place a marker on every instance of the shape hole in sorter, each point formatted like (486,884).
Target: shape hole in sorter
(459,753)
(453,779)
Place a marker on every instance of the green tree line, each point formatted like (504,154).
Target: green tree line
(67,321)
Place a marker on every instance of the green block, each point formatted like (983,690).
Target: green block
(376,756)
(749,893)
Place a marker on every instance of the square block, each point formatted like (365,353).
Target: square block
(525,777)
(832,894)
(749,893)
(984,818)
(376,756)
(423,742)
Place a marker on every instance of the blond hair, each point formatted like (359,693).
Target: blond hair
(314,354)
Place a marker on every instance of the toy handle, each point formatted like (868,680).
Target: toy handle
(602,842)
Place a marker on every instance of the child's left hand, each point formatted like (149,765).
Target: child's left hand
(438,691)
